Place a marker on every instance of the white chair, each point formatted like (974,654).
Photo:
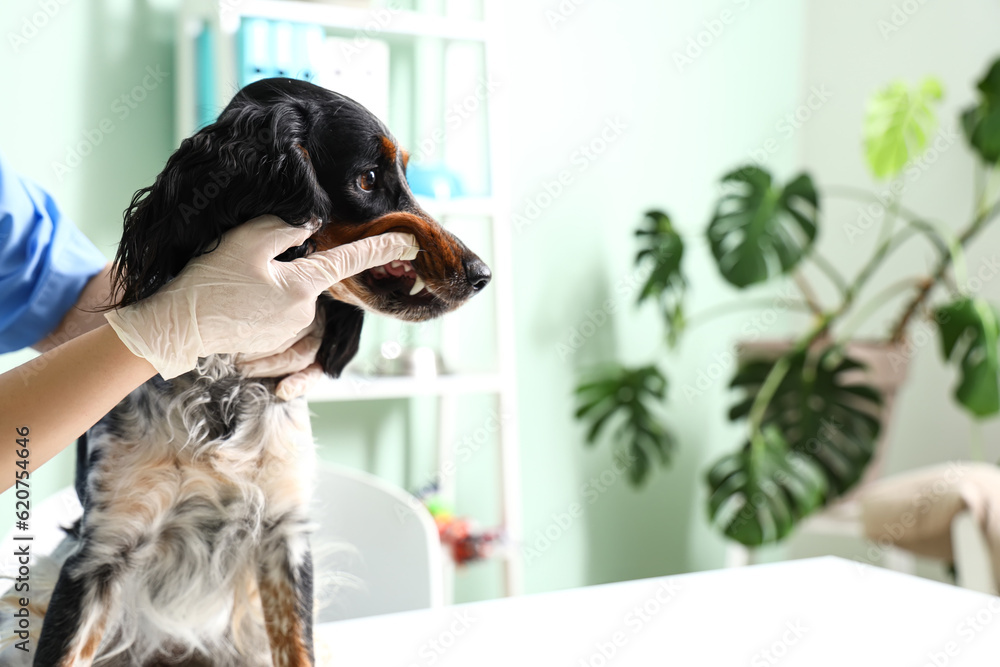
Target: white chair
(389,542)
(973,568)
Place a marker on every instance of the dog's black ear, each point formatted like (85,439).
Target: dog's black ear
(252,161)
(341,335)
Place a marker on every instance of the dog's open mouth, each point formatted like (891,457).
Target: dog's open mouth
(399,280)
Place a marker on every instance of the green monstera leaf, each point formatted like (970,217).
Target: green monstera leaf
(982,122)
(817,435)
(761,230)
(898,124)
(663,247)
(759,493)
(969,337)
(821,409)
(627,396)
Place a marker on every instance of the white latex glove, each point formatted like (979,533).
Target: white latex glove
(237,298)
(295,363)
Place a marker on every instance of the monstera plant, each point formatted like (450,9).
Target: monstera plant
(812,419)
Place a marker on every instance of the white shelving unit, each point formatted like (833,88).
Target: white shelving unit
(222,18)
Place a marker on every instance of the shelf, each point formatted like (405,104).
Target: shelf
(423,40)
(377,22)
(368,388)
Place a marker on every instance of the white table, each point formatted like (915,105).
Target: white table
(816,612)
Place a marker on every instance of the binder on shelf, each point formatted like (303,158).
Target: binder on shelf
(307,51)
(254,56)
(278,48)
(205,110)
(282,53)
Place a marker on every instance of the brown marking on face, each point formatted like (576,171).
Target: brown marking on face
(389,149)
(406,158)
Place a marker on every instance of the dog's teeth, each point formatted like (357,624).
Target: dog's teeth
(418,285)
(395,264)
(407,268)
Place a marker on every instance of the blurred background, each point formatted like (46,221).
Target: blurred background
(590,114)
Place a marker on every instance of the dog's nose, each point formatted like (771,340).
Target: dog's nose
(477,273)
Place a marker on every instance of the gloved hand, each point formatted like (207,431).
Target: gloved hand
(237,298)
(294,362)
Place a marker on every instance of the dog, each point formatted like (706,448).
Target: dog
(193,547)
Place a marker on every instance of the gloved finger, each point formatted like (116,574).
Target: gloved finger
(299,384)
(294,359)
(264,238)
(325,268)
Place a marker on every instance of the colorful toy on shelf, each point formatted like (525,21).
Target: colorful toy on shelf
(467,542)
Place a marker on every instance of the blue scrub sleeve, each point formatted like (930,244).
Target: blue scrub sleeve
(45,262)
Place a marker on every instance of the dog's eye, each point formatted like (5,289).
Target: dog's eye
(368,180)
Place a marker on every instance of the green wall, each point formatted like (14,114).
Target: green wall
(64,69)
(606,68)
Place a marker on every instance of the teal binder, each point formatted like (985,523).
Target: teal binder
(205,110)
(307,48)
(254,51)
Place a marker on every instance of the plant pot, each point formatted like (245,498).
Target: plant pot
(886,371)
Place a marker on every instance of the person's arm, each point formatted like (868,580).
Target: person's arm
(84,316)
(48,268)
(235,299)
(57,396)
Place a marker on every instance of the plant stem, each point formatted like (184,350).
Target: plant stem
(868,269)
(860,194)
(777,374)
(807,293)
(728,308)
(875,303)
(912,218)
(946,248)
(767,390)
(985,215)
(824,265)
